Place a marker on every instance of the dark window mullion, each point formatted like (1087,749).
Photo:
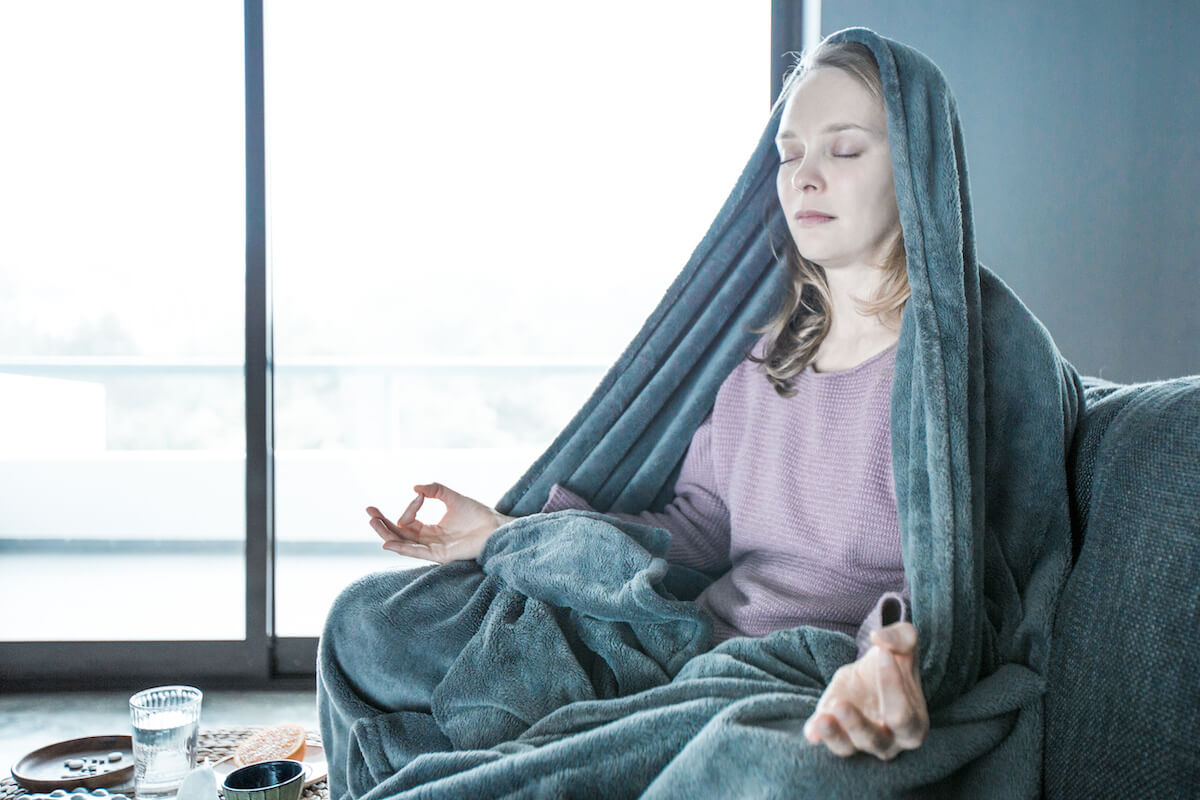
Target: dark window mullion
(260,472)
(787,34)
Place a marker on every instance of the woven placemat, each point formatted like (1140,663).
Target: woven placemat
(213,745)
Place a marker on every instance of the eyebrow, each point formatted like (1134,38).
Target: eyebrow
(834,128)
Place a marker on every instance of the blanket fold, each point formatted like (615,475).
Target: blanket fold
(586,595)
(560,609)
(569,661)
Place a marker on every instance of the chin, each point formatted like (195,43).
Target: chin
(815,256)
(813,251)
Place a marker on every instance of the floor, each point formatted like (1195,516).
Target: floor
(30,721)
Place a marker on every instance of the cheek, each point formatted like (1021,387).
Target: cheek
(884,201)
(887,202)
(887,191)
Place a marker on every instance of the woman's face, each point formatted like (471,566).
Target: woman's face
(835,158)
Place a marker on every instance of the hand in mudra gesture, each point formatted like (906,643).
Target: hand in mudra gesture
(458,536)
(875,705)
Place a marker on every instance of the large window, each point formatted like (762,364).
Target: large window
(121,330)
(471,214)
(470,210)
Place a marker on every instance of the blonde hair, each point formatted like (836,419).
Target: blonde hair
(796,330)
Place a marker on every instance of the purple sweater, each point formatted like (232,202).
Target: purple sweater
(791,500)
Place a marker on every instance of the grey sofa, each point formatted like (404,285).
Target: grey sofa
(1123,694)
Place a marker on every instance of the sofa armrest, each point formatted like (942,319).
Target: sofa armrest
(1123,693)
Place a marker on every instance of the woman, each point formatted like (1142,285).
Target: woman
(786,488)
(890,458)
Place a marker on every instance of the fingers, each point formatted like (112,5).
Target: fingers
(412,549)
(437,491)
(409,517)
(899,682)
(847,732)
(825,729)
(874,705)
(863,734)
(903,703)
(389,531)
(400,540)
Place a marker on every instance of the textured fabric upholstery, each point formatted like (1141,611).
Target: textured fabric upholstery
(1123,698)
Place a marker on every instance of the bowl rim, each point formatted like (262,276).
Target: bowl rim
(298,765)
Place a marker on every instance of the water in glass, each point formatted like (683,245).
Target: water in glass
(166,727)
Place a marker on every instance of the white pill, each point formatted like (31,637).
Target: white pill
(114,756)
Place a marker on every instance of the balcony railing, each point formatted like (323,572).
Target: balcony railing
(81,516)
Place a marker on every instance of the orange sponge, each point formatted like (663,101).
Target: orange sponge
(271,744)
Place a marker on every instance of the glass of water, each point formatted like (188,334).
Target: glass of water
(166,725)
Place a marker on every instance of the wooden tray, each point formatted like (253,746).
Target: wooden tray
(212,746)
(45,768)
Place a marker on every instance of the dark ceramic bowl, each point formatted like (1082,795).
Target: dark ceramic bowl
(270,780)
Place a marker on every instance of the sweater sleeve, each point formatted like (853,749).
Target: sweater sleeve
(697,518)
(891,607)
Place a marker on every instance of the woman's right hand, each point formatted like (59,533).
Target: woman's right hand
(458,536)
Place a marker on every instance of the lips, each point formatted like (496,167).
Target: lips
(810,219)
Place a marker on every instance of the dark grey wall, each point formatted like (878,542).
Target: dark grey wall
(1082,129)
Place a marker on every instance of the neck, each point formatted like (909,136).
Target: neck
(846,288)
(853,337)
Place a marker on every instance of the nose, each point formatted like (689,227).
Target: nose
(805,175)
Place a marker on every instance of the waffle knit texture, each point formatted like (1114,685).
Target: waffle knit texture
(791,501)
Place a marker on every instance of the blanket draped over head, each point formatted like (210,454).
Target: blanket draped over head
(567,659)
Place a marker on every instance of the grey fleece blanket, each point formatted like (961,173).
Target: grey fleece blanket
(570,662)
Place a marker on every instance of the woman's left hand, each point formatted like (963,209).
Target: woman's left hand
(875,705)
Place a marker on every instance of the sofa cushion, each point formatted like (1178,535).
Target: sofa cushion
(1123,695)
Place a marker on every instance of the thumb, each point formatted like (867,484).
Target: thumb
(437,491)
(900,638)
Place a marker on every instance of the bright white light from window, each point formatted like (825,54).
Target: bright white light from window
(475,184)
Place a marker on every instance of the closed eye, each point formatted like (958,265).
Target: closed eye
(835,155)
